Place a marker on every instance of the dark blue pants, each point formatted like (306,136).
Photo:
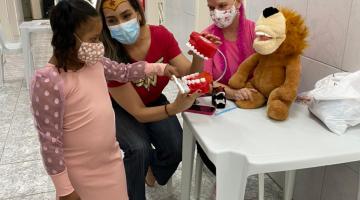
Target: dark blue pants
(135,140)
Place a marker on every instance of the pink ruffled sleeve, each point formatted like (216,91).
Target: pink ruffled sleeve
(47,102)
(121,72)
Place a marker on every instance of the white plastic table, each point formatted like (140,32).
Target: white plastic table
(246,142)
(26,28)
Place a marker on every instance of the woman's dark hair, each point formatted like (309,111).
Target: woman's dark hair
(114,49)
(65,18)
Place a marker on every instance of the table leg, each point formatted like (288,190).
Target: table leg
(358,194)
(231,177)
(289,184)
(25,41)
(261,186)
(2,68)
(187,162)
(198,176)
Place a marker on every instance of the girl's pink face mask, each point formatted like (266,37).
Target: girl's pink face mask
(90,53)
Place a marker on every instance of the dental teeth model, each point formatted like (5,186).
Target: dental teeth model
(202,81)
(218,97)
(201,46)
(193,82)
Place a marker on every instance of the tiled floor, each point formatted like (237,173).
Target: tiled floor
(22,176)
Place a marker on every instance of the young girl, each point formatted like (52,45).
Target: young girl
(72,107)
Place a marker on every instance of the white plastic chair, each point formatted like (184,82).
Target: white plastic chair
(288,188)
(6,48)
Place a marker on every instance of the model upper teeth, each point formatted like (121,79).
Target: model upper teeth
(196,51)
(195,81)
(259,33)
(220,93)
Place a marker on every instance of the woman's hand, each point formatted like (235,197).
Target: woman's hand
(72,196)
(183,102)
(171,70)
(242,94)
(213,38)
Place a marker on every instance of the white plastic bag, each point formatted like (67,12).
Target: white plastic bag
(336,101)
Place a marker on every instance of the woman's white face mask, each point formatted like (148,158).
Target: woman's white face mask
(224,18)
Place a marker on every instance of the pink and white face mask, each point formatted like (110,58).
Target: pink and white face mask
(224,18)
(91,53)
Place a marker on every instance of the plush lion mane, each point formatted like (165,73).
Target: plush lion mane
(296,33)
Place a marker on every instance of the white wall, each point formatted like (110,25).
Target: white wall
(180,19)
(154,11)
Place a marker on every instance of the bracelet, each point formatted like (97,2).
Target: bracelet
(166,111)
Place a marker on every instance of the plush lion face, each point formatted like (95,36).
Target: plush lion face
(270,31)
(281,32)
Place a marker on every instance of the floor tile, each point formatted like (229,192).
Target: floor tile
(20,150)
(22,108)
(6,115)
(4,128)
(14,67)
(24,179)
(12,86)
(8,102)
(2,144)
(41,196)
(22,126)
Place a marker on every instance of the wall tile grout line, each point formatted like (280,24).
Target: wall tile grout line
(328,65)
(347,35)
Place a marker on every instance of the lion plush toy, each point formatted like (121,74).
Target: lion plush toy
(275,67)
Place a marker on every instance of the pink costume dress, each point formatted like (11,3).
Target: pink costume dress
(76,126)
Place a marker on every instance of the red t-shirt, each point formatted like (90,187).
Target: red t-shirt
(163,48)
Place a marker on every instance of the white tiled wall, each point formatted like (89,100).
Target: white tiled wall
(313,70)
(351,58)
(180,19)
(255,7)
(328,30)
